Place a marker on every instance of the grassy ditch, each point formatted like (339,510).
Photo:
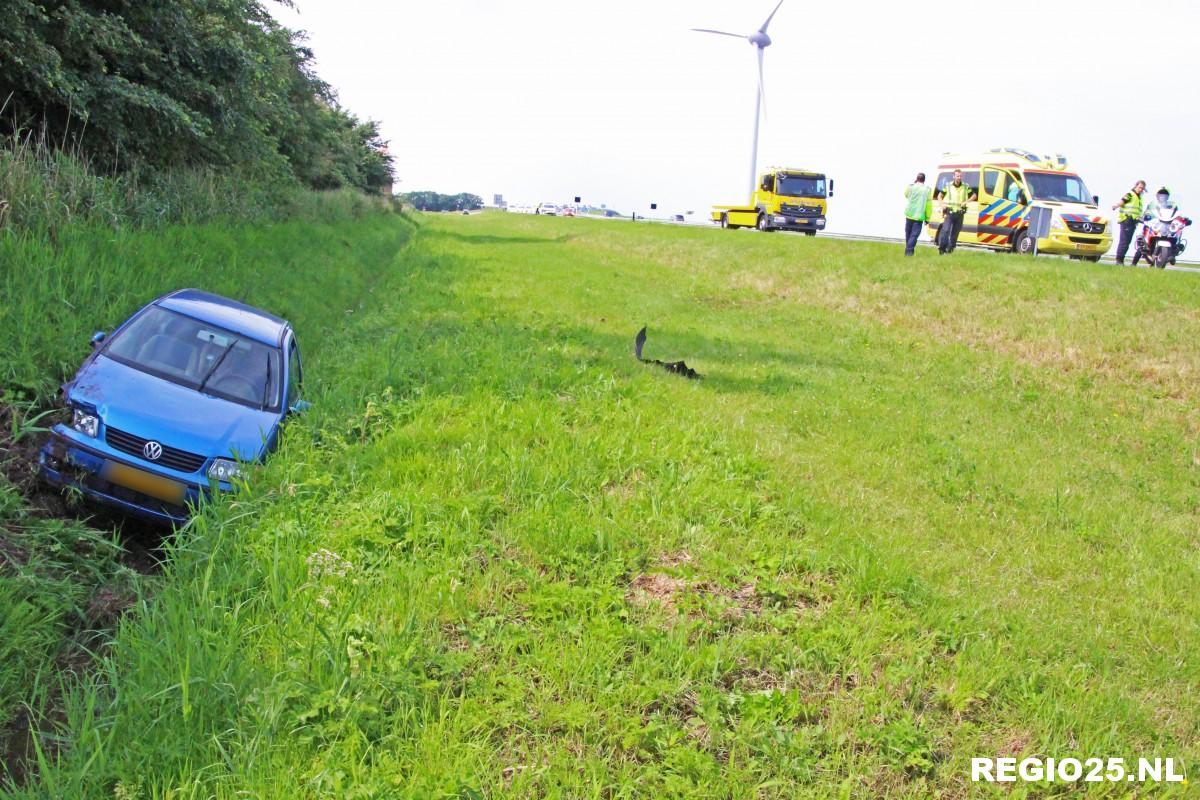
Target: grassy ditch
(66,575)
(918,510)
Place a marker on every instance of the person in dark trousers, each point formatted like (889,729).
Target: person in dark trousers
(915,212)
(1130,213)
(954,196)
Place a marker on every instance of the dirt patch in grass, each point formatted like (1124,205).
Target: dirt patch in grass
(682,597)
(12,555)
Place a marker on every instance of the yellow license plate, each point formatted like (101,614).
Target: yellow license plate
(164,489)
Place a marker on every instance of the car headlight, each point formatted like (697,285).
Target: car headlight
(85,423)
(1056,223)
(224,470)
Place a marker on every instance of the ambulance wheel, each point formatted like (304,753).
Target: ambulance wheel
(1023,244)
(762,223)
(724,220)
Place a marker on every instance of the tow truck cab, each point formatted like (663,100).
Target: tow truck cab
(784,198)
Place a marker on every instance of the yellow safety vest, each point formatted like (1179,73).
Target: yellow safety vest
(956,196)
(1131,206)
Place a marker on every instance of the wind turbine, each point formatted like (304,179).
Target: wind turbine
(761,42)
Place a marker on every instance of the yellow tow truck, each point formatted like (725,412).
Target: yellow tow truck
(785,199)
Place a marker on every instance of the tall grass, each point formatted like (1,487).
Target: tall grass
(45,191)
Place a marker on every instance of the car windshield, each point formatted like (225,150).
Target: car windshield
(801,185)
(200,356)
(1062,187)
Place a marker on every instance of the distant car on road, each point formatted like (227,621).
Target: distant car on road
(567,211)
(169,408)
(547,208)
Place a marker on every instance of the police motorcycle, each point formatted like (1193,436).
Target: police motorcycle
(1161,240)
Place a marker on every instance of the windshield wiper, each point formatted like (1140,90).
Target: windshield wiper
(216,364)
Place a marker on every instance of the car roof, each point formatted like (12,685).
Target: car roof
(238,317)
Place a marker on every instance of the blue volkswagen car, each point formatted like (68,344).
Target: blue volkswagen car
(166,409)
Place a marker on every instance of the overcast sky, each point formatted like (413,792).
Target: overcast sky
(620,103)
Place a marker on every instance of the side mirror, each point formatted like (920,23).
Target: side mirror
(1095,199)
(831,188)
(98,338)
(299,407)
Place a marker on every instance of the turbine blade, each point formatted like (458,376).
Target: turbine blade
(762,92)
(763,29)
(722,33)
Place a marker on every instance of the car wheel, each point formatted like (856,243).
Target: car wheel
(1023,244)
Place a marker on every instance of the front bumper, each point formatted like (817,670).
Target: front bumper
(1066,243)
(67,463)
(790,223)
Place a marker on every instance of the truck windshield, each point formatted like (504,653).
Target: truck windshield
(801,185)
(1061,187)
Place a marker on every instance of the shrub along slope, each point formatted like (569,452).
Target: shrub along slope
(917,511)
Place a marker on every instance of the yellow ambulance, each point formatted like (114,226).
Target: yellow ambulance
(1009,182)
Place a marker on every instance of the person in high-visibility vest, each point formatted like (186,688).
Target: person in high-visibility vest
(916,211)
(954,196)
(1129,215)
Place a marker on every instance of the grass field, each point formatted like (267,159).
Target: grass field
(918,510)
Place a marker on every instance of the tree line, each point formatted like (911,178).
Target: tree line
(432,201)
(131,84)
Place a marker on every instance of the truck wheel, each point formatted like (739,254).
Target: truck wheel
(1023,244)
(762,223)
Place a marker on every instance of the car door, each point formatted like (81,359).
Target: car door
(970,230)
(1003,205)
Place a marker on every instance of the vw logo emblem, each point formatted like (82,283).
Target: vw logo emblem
(152,450)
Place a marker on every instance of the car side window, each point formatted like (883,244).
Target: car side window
(295,376)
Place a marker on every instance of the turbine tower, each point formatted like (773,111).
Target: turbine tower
(761,42)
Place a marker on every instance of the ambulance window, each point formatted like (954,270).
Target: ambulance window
(1016,191)
(944,180)
(971,179)
(991,178)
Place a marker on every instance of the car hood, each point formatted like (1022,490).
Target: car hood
(139,403)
